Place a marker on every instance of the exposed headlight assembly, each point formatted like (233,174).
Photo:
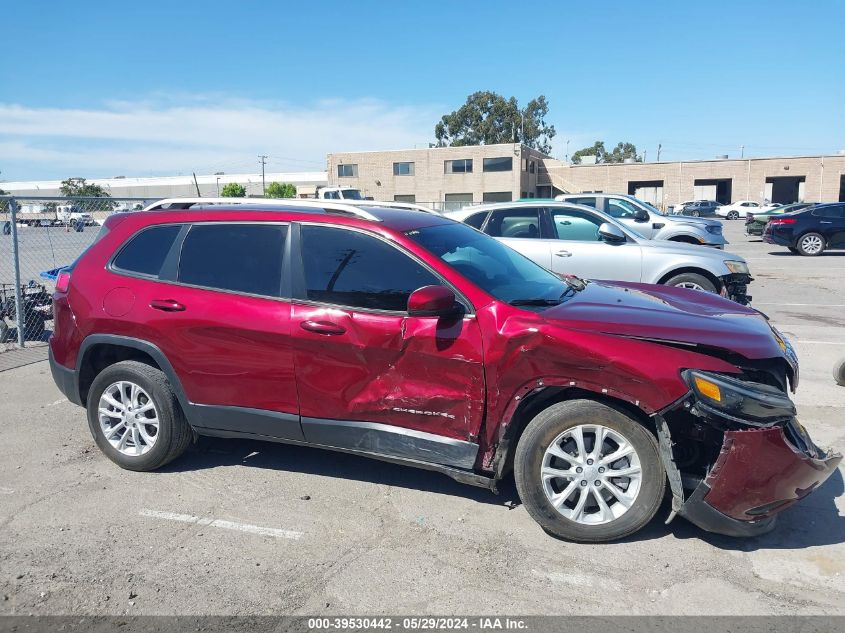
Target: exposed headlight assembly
(736,267)
(750,403)
(715,229)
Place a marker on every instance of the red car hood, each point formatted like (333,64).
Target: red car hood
(668,314)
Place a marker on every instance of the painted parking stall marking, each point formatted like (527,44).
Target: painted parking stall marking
(221,523)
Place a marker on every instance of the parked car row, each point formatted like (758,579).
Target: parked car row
(732,211)
(809,231)
(755,221)
(405,336)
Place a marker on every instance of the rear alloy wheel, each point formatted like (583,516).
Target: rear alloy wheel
(811,244)
(693,281)
(733,215)
(587,472)
(135,418)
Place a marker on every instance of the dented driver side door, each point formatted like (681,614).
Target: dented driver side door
(369,377)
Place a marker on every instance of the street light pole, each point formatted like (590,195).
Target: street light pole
(218,186)
(263,159)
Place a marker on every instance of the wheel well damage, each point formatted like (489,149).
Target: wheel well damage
(500,459)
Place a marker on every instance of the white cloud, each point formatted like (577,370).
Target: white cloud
(199,134)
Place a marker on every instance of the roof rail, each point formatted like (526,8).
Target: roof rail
(408,206)
(292,204)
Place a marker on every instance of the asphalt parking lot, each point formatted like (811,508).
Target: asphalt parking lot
(241,527)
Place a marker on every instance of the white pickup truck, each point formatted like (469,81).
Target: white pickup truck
(339,193)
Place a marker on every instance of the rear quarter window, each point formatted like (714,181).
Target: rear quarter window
(145,252)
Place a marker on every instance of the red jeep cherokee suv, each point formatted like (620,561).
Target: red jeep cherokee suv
(408,337)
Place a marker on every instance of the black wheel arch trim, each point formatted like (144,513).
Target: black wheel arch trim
(143,346)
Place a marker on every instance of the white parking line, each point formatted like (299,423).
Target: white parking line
(220,523)
(53,404)
(808,305)
(803,342)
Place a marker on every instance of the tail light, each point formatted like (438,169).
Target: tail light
(63,281)
(783,221)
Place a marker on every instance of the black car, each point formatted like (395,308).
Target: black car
(810,231)
(700,208)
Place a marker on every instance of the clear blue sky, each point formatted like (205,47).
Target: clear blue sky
(145,87)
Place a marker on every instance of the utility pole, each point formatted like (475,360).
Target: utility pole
(645,155)
(263,159)
(567,150)
(742,151)
(659,147)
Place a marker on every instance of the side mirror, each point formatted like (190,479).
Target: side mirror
(432,301)
(611,233)
(642,216)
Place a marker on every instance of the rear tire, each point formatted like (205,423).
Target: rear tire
(152,449)
(629,502)
(810,244)
(839,372)
(693,281)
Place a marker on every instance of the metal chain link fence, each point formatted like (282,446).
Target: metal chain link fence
(40,236)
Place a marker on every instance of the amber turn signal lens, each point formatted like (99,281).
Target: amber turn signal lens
(707,388)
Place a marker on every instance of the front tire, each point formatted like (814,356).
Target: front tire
(135,418)
(733,215)
(810,244)
(693,281)
(588,473)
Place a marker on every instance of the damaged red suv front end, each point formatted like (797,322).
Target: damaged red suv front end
(766,460)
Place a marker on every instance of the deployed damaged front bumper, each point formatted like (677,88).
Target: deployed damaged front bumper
(759,472)
(735,287)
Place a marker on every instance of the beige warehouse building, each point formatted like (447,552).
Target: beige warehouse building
(454,176)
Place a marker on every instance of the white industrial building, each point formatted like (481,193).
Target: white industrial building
(306,184)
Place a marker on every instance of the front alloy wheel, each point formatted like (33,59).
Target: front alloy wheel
(588,472)
(591,474)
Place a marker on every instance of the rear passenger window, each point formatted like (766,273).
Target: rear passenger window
(237,257)
(145,252)
(353,269)
(521,222)
(832,211)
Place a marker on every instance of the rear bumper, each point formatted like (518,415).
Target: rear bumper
(67,380)
(759,473)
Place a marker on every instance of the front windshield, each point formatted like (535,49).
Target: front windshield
(351,194)
(650,207)
(495,268)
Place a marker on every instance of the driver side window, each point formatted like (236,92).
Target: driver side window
(575,226)
(621,209)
